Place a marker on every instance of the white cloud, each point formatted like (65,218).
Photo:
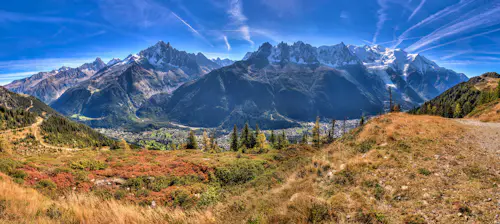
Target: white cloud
(227,43)
(235,12)
(382,17)
(245,31)
(422,2)
(187,24)
(450,10)
(455,29)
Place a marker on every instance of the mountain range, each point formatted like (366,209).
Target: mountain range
(275,86)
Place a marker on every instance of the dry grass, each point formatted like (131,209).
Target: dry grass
(398,168)
(489,112)
(25,205)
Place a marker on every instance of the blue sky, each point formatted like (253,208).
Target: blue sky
(41,35)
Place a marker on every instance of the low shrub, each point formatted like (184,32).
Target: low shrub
(424,171)
(88,164)
(46,184)
(239,172)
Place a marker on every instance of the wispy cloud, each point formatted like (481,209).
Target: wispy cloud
(382,17)
(227,43)
(471,21)
(448,11)
(235,12)
(187,24)
(422,2)
(460,39)
(455,54)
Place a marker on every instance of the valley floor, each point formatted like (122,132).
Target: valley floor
(398,168)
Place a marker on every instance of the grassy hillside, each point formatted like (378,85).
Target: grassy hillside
(17,118)
(463,98)
(26,112)
(398,168)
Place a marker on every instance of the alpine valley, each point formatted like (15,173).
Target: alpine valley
(275,86)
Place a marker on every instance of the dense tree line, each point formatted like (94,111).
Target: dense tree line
(458,101)
(16,118)
(58,130)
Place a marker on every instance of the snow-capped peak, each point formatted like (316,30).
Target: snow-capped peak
(113,61)
(302,53)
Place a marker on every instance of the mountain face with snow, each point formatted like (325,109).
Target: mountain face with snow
(48,86)
(112,96)
(402,70)
(275,86)
(223,62)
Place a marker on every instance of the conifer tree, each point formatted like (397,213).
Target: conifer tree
(124,145)
(304,140)
(458,111)
(245,136)
(284,141)
(467,108)
(206,141)
(362,121)
(316,135)
(331,132)
(214,147)
(234,139)
(261,141)
(272,139)
(191,141)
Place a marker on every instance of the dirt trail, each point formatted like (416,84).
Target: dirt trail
(35,129)
(487,135)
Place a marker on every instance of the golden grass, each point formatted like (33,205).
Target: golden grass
(25,205)
(489,112)
(398,168)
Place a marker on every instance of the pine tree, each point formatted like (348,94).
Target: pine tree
(316,135)
(467,108)
(214,147)
(191,141)
(206,141)
(272,139)
(261,141)
(331,132)
(234,139)
(245,136)
(282,141)
(124,145)
(362,121)
(304,140)
(458,111)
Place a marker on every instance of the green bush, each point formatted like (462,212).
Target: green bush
(210,196)
(46,184)
(88,164)
(239,172)
(365,146)
(424,171)
(182,198)
(120,194)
